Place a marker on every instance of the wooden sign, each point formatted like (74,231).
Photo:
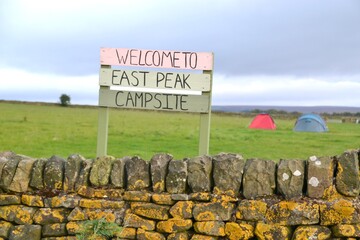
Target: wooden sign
(156,58)
(154,101)
(155,90)
(158,80)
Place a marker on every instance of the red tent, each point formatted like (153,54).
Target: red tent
(263,121)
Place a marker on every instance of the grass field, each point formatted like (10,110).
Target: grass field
(46,130)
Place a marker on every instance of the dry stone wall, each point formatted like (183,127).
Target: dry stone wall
(205,197)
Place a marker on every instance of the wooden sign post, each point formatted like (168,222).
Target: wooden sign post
(166,91)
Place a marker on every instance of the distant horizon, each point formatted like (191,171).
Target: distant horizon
(237,107)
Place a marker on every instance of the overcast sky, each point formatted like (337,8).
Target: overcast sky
(279,52)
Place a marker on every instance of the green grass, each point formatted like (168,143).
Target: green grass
(46,130)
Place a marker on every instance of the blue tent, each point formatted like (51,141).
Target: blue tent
(310,123)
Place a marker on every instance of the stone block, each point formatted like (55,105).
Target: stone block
(214,211)
(9,168)
(138,174)
(8,199)
(51,215)
(340,211)
(159,169)
(108,214)
(203,237)
(150,210)
(291,213)
(270,231)
(21,179)
(290,178)
(100,171)
(173,225)
(259,178)
(72,171)
(347,176)
(162,199)
(37,174)
(77,214)
(133,220)
(65,201)
(54,230)
(238,231)
(117,176)
(22,232)
(142,234)
(101,204)
(320,173)
(212,228)
(311,232)
(178,236)
(127,233)
(54,173)
(182,209)
(251,210)
(18,214)
(227,173)
(32,201)
(200,174)
(346,230)
(139,196)
(84,175)
(5,228)
(176,177)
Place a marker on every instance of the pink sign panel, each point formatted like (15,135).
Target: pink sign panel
(156,58)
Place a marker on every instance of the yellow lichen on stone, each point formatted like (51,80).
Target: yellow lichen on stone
(77,214)
(212,228)
(149,235)
(126,233)
(56,201)
(33,201)
(113,204)
(203,237)
(253,209)
(217,191)
(94,214)
(182,209)
(90,203)
(346,230)
(58,185)
(304,233)
(174,225)
(100,193)
(200,196)
(44,213)
(206,216)
(323,236)
(341,211)
(139,184)
(24,216)
(344,207)
(237,231)
(150,210)
(73,227)
(224,198)
(162,198)
(159,186)
(139,196)
(5,226)
(331,194)
(16,231)
(178,236)
(133,220)
(272,232)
